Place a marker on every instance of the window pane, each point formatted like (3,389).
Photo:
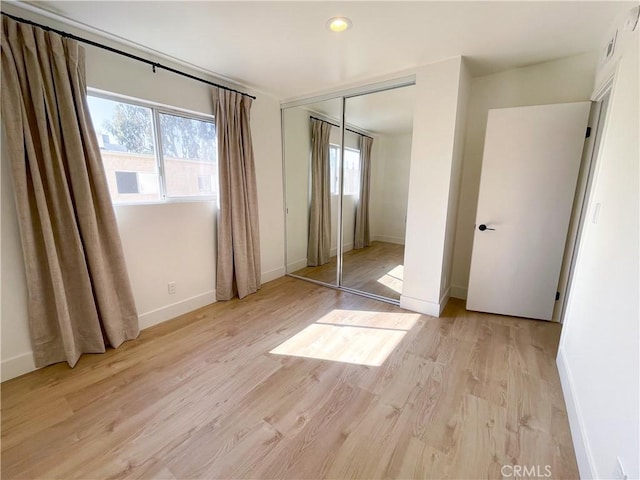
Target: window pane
(189,152)
(125,136)
(351,172)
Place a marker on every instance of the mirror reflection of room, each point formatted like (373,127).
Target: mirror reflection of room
(373,178)
(312,197)
(375,212)
(330,175)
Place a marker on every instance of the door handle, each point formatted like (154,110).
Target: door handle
(483,227)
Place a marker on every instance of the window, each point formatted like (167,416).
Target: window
(351,170)
(138,170)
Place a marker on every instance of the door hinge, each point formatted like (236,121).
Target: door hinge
(557,296)
(588,134)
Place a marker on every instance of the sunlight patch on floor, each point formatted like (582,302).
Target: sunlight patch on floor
(393,279)
(350,336)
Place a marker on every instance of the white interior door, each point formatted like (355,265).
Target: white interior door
(529,172)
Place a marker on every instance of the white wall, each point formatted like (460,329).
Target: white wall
(390,161)
(455,180)
(16,344)
(436,152)
(598,359)
(163,242)
(559,81)
(267,146)
(624,40)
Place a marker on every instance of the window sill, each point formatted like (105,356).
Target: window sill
(167,201)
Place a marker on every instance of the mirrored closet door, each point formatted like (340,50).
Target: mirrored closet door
(312,142)
(376,185)
(346,190)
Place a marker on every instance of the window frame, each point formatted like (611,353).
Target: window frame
(157,109)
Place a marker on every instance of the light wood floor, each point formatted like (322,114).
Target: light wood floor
(374,269)
(202,397)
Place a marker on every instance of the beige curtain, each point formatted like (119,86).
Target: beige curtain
(79,293)
(361,236)
(238,269)
(319,245)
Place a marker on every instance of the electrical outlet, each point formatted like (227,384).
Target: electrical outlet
(171,287)
(619,473)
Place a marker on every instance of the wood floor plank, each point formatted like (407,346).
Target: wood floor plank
(17,429)
(203,396)
(299,403)
(489,372)
(418,461)
(326,432)
(480,438)
(374,429)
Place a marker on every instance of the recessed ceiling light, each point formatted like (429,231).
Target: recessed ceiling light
(338,24)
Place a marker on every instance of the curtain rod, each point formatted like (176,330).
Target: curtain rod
(335,125)
(154,65)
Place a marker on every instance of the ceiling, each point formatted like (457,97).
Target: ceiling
(285,49)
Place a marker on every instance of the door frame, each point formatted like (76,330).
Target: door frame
(582,200)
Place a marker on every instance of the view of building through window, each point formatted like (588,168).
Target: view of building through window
(132,160)
(189,152)
(351,170)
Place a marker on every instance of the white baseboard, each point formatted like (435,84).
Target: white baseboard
(581,446)
(420,306)
(388,239)
(162,314)
(459,292)
(295,266)
(345,248)
(24,363)
(15,366)
(273,274)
